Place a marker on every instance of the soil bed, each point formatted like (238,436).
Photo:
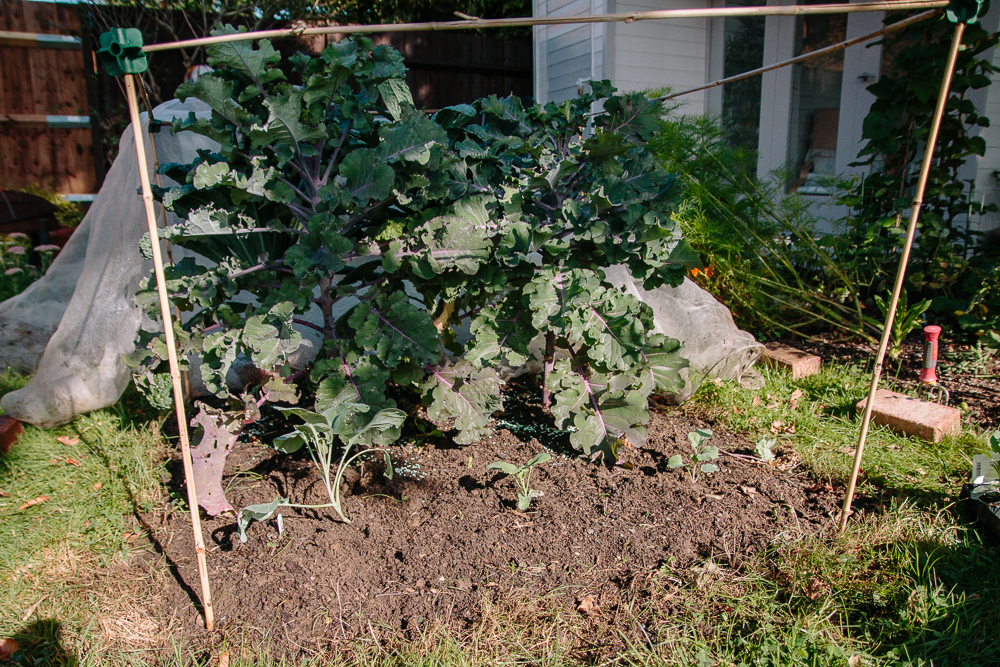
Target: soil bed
(425,546)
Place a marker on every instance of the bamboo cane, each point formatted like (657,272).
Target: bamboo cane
(185,378)
(175,376)
(918,200)
(812,54)
(621,17)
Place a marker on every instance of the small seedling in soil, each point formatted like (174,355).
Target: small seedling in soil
(522,476)
(319,434)
(702,454)
(765,449)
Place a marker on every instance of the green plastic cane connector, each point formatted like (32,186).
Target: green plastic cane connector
(121,52)
(967,11)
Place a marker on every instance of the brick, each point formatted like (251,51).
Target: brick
(10,431)
(912,416)
(800,364)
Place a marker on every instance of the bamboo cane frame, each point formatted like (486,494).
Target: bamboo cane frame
(175,376)
(794,10)
(623,17)
(918,200)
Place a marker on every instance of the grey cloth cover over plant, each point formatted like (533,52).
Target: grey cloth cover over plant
(72,326)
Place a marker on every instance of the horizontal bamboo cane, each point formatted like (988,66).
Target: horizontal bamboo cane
(622,17)
(812,54)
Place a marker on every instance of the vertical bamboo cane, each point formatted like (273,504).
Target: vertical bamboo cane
(175,376)
(918,200)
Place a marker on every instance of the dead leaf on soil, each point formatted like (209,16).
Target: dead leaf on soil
(71,461)
(589,607)
(4,494)
(921,471)
(749,490)
(8,647)
(756,400)
(778,426)
(850,451)
(854,661)
(97,486)
(68,441)
(36,501)
(224,659)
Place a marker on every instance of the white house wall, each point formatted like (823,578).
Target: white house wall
(987,184)
(665,53)
(567,54)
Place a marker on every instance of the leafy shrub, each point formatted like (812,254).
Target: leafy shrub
(340,208)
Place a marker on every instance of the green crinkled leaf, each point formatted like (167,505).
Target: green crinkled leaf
(284,124)
(367,176)
(459,241)
(410,140)
(395,330)
(243,56)
(270,337)
(504,467)
(396,95)
(664,365)
(468,395)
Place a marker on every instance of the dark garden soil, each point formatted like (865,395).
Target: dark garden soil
(971,377)
(424,547)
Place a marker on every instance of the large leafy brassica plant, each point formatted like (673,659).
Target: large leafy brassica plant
(341,209)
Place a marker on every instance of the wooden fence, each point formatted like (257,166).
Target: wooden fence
(45,136)
(49,94)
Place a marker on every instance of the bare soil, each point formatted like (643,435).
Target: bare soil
(427,545)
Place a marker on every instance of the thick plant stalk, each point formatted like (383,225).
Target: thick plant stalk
(621,17)
(175,375)
(918,200)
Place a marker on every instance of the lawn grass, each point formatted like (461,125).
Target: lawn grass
(910,582)
(821,425)
(67,522)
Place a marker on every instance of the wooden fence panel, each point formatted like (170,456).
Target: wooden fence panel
(43,82)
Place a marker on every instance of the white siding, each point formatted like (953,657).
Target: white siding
(662,53)
(565,54)
(987,184)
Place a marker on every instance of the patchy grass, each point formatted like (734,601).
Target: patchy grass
(68,526)
(821,425)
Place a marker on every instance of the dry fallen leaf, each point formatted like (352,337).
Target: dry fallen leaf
(850,451)
(97,486)
(4,494)
(749,490)
(854,661)
(71,461)
(814,589)
(589,607)
(224,659)
(921,471)
(36,501)
(756,400)
(68,441)
(8,647)
(794,400)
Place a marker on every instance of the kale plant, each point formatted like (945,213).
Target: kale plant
(702,454)
(333,206)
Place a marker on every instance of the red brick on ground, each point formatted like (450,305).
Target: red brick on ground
(912,416)
(10,431)
(800,364)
